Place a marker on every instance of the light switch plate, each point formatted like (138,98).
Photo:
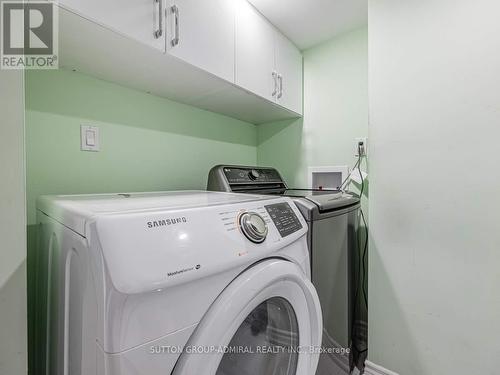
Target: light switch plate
(89,138)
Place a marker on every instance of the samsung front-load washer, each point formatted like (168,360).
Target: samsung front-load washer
(177,283)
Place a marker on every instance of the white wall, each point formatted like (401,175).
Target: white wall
(12,226)
(434,188)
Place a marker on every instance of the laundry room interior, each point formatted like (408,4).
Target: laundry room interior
(338,146)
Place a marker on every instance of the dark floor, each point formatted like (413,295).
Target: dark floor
(326,366)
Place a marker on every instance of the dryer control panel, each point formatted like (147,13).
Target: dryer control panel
(284,218)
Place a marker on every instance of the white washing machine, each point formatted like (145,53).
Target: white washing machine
(181,283)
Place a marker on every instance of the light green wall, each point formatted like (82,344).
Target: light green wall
(13,344)
(147,143)
(335,111)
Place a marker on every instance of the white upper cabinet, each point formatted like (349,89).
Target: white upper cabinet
(267,63)
(221,55)
(255,57)
(142,20)
(289,68)
(202,34)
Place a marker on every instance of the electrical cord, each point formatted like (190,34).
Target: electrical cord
(365,247)
(349,174)
(362,217)
(360,174)
(361,259)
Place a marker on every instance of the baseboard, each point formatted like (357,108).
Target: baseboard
(373,369)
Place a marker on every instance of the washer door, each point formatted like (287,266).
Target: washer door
(265,322)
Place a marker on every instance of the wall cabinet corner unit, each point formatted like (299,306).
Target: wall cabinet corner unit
(209,50)
(267,63)
(255,61)
(289,68)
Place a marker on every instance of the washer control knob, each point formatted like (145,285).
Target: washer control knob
(253,174)
(253,227)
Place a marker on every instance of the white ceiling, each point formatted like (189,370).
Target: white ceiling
(310,22)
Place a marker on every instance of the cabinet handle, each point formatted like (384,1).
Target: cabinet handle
(280,79)
(275,77)
(158,32)
(175,40)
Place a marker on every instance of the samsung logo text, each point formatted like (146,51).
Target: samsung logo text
(166,222)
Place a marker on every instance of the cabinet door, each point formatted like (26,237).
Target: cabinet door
(142,20)
(289,68)
(255,60)
(202,34)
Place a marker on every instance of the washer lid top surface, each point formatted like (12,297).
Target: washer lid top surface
(74,210)
(325,200)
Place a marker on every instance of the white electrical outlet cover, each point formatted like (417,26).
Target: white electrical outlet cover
(365,143)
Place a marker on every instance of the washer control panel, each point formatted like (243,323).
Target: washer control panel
(235,175)
(284,218)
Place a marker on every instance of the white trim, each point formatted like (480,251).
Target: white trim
(373,369)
